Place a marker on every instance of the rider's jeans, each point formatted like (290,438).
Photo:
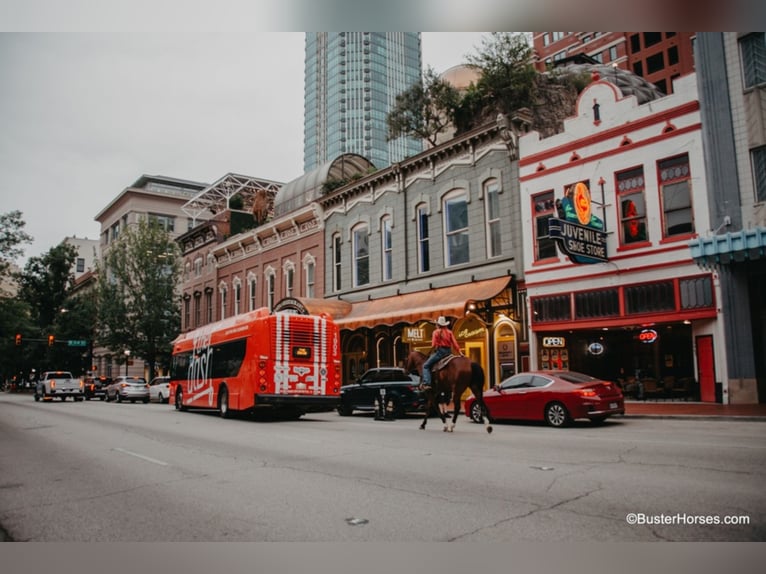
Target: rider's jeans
(437,355)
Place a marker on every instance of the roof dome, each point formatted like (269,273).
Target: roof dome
(307,188)
(627,82)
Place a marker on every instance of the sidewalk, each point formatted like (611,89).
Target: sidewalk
(681,409)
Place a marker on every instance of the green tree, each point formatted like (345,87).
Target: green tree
(138,305)
(45,283)
(424,110)
(12,235)
(507,80)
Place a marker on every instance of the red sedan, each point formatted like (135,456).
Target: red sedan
(556,397)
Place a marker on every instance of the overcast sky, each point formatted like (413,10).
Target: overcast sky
(85,115)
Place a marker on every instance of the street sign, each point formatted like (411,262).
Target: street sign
(77,343)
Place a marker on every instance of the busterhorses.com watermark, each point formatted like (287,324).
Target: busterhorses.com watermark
(683,519)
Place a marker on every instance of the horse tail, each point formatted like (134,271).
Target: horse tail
(477,376)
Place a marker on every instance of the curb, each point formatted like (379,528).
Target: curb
(735,418)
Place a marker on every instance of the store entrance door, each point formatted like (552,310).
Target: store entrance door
(706,368)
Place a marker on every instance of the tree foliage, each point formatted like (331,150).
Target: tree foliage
(424,110)
(138,304)
(46,282)
(12,236)
(507,78)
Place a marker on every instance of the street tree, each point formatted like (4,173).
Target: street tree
(12,236)
(45,283)
(424,110)
(138,304)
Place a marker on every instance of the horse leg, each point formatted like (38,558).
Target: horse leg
(484,414)
(429,405)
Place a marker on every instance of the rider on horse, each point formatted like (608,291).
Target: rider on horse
(443,342)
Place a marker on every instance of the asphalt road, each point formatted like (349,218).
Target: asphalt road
(94,471)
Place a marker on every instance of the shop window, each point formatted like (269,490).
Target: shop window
(552,308)
(675,190)
(632,206)
(361,250)
(492,207)
(595,304)
(649,298)
(696,293)
(456,232)
(543,204)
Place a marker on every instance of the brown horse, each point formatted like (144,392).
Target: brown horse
(459,374)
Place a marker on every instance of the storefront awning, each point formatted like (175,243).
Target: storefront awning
(422,305)
(738,246)
(305,305)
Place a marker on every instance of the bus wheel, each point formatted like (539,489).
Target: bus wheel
(223,403)
(179,402)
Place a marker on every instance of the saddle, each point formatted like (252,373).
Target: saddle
(443,362)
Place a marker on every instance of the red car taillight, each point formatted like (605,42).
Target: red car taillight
(587,393)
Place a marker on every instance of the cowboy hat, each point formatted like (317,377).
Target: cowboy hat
(442,321)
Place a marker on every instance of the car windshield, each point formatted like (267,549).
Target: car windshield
(576,378)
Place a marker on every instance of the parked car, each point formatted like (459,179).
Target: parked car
(159,389)
(399,386)
(95,387)
(127,388)
(58,384)
(556,397)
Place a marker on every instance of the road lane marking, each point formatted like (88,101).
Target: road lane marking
(141,456)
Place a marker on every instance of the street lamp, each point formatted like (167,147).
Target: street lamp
(127,358)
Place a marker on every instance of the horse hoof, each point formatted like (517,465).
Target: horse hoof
(489,430)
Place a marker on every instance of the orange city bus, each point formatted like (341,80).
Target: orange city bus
(285,362)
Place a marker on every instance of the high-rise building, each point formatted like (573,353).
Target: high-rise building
(658,57)
(351,83)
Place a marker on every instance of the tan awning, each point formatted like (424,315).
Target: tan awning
(306,305)
(422,305)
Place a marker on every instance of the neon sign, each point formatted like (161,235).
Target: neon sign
(647,336)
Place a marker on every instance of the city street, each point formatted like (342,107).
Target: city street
(94,471)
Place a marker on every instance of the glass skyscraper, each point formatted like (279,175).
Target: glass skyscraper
(351,83)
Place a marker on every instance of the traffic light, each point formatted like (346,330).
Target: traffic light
(51,340)
(18,339)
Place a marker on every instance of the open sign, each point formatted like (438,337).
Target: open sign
(647,336)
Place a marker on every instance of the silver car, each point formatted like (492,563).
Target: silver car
(126,388)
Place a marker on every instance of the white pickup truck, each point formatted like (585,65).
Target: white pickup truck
(59,384)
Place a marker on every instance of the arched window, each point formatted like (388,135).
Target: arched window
(424,258)
(492,217)
(271,282)
(289,278)
(361,251)
(309,268)
(336,262)
(223,290)
(386,252)
(252,283)
(456,232)
(237,283)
